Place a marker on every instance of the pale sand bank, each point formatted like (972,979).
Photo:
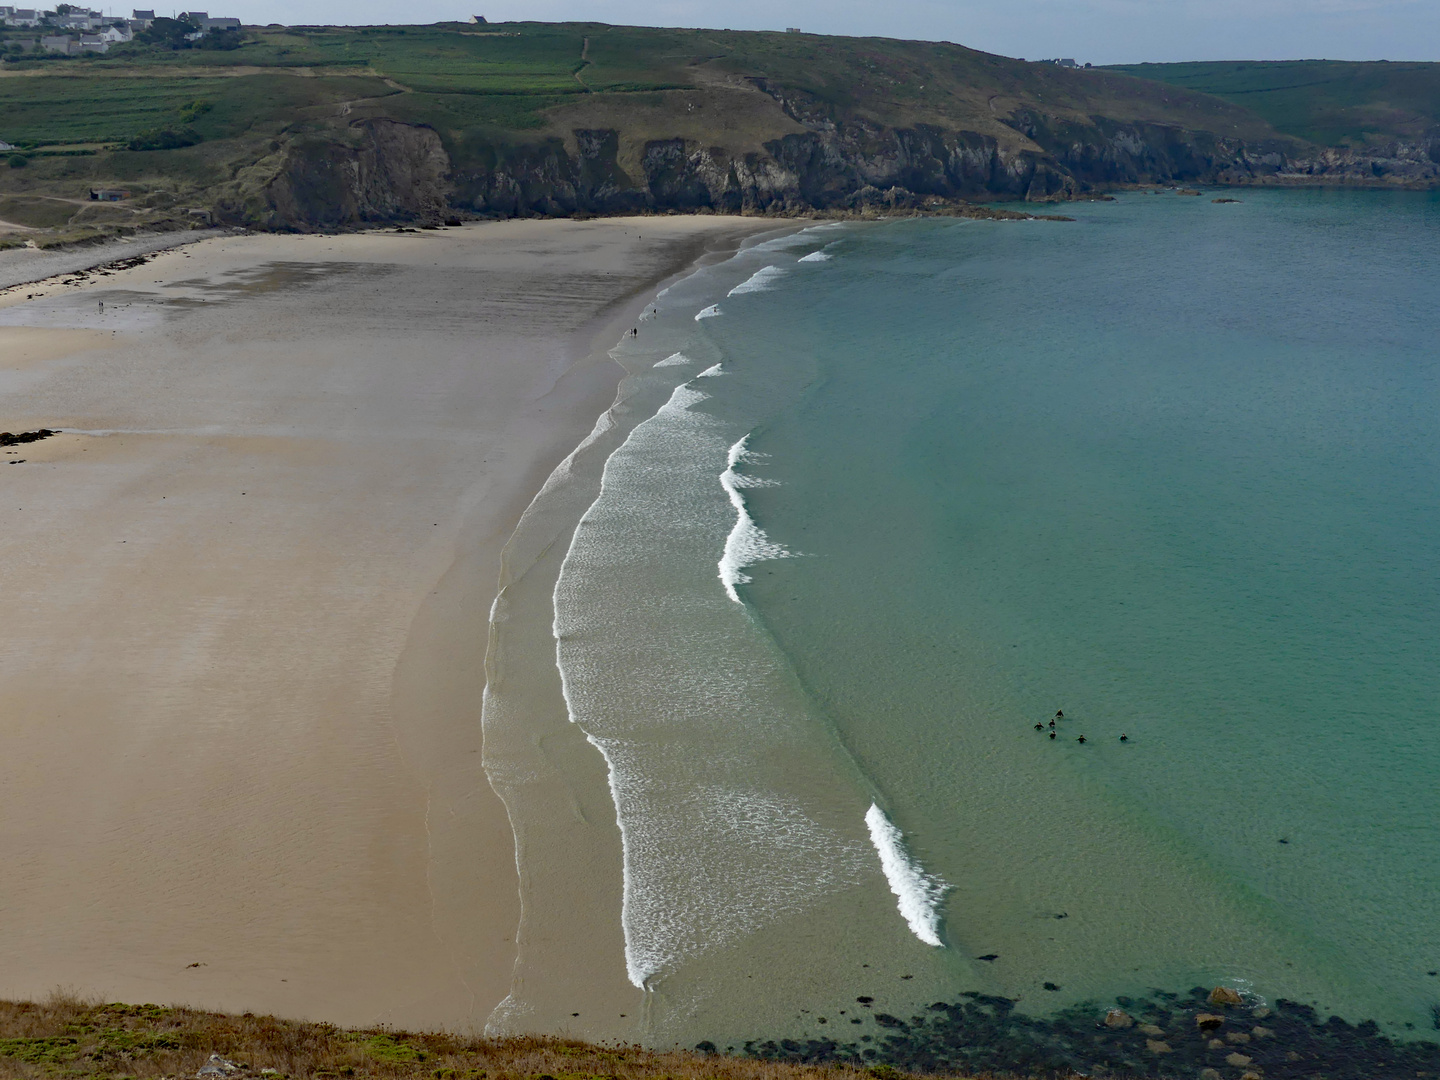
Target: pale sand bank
(246,600)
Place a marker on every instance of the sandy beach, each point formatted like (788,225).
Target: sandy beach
(247,593)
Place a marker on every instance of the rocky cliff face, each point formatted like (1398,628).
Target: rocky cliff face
(381,170)
(375,171)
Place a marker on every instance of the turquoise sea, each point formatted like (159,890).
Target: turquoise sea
(911,488)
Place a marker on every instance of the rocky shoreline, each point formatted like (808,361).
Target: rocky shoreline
(1217,1034)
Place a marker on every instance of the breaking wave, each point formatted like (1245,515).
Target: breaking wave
(760,281)
(711,372)
(747,543)
(816,256)
(708,313)
(917,893)
(674,360)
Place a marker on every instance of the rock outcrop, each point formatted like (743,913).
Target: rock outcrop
(383,170)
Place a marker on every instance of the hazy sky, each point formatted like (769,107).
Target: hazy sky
(1100,31)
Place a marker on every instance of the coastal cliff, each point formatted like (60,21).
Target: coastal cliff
(391,171)
(341,127)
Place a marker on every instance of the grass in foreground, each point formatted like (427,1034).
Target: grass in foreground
(65,1036)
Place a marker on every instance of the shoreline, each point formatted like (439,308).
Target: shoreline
(279,747)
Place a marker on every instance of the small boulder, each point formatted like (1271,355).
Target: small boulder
(1156,1046)
(217,1066)
(1118,1018)
(1223,995)
(1215,1044)
(1155,1031)
(1208,1021)
(1237,1037)
(1238,1060)
(1260,1012)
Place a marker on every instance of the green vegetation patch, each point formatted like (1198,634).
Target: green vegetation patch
(57,1050)
(1329,102)
(101,108)
(386,1048)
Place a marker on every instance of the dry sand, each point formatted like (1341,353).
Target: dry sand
(246,596)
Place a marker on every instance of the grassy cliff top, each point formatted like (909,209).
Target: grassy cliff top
(67,1037)
(1328,102)
(516,76)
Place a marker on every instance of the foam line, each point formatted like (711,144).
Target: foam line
(674,360)
(815,257)
(747,543)
(918,894)
(710,372)
(761,281)
(708,313)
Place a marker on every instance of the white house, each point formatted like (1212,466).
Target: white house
(114,34)
(23,17)
(5,147)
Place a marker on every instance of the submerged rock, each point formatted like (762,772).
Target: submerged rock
(1223,995)
(1118,1018)
(1208,1021)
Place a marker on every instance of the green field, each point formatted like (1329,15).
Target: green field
(1329,102)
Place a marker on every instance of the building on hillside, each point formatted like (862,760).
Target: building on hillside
(116,34)
(477,20)
(94,43)
(108,194)
(146,17)
(222,24)
(793,30)
(65,46)
(5,147)
(23,17)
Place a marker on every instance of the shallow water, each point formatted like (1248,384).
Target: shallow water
(1169,468)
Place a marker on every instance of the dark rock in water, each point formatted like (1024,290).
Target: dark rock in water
(1223,995)
(983,1035)
(1224,200)
(989,957)
(864,1000)
(1118,1018)
(1051,986)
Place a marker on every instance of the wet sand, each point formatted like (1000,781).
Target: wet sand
(247,599)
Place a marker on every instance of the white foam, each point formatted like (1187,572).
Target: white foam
(708,313)
(816,256)
(747,543)
(711,372)
(918,893)
(674,360)
(761,281)
(708,855)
